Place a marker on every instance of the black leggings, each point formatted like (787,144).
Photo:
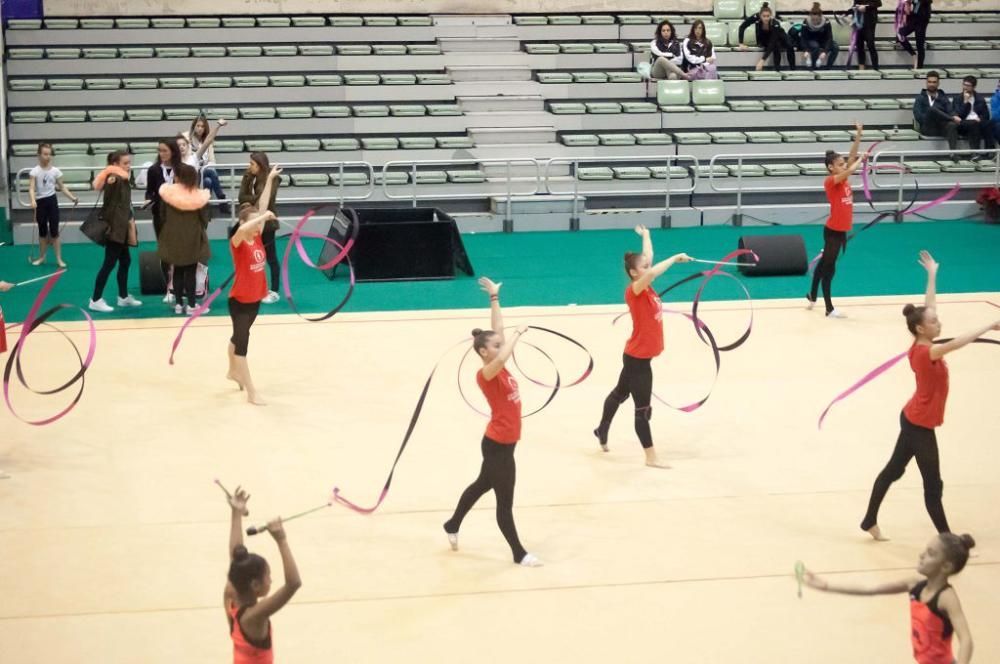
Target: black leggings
(114,252)
(833,243)
(499,473)
(866,39)
(636,379)
(243,316)
(267,237)
(916,24)
(774,45)
(184,283)
(919,442)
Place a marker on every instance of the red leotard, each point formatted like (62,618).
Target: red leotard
(930,629)
(505,407)
(647,324)
(841,200)
(926,407)
(245,651)
(3,333)
(251,284)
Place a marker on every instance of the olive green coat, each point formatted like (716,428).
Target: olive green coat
(117,208)
(183,239)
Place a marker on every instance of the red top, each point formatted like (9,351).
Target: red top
(505,407)
(251,284)
(926,407)
(245,650)
(3,333)
(647,323)
(930,630)
(841,204)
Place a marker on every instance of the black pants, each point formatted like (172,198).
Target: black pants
(866,39)
(919,442)
(972,131)
(184,283)
(499,473)
(815,49)
(114,252)
(916,24)
(243,315)
(833,243)
(777,42)
(47,216)
(267,237)
(936,125)
(635,380)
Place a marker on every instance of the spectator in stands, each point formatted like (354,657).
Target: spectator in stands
(117,214)
(933,114)
(993,130)
(971,115)
(916,16)
(665,53)
(197,150)
(699,56)
(252,187)
(770,36)
(45,181)
(183,241)
(865,17)
(816,42)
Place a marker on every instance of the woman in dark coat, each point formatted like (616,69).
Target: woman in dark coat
(183,241)
(117,212)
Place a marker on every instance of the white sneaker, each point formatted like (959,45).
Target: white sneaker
(809,61)
(100,305)
(530,560)
(129,301)
(180,310)
(811,303)
(271,297)
(836,313)
(190,312)
(453,541)
(168,298)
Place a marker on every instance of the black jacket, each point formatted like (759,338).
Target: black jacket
(924,112)
(870,16)
(763,36)
(155,180)
(822,35)
(962,108)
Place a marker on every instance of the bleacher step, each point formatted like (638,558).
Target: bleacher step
(471,19)
(501,103)
(479,44)
(538,204)
(505,135)
(488,73)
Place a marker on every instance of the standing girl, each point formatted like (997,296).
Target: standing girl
(699,56)
(925,409)
(665,53)
(865,17)
(247,598)
(45,181)
(198,136)
(249,288)
(646,342)
(770,36)
(916,17)
(183,241)
(251,194)
(159,174)
(840,221)
(935,612)
(117,213)
(498,471)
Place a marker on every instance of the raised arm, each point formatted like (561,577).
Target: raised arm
(252,226)
(950,604)
(496,316)
(652,273)
(858,131)
(938,351)
(268,606)
(931,265)
(491,370)
(264,200)
(212,133)
(747,22)
(887,588)
(647,242)
(237,506)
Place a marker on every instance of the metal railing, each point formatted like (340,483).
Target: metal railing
(901,183)
(667,191)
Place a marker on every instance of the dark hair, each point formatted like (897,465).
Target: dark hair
(933,74)
(766,6)
(816,9)
(244,569)
(956,549)
(631,258)
(175,151)
(260,180)
(194,123)
(971,80)
(42,146)
(186,176)
(831,156)
(116,156)
(914,317)
(704,34)
(660,43)
(480,338)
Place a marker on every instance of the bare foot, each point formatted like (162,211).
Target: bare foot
(236,380)
(876,534)
(255,399)
(61,263)
(653,461)
(38,261)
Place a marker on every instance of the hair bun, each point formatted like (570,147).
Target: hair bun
(240,553)
(967,541)
(476,332)
(909,309)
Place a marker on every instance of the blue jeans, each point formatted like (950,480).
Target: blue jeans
(992,132)
(210,180)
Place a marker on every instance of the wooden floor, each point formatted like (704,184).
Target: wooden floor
(113,537)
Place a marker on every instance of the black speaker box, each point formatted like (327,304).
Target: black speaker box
(778,254)
(152,275)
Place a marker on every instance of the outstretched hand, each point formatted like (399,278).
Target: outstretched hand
(275,171)
(813,581)
(489,286)
(276,529)
(682,258)
(859,127)
(238,501)
(5,286)
(641,231)
(928,262)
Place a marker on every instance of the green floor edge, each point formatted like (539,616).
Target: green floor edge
(561,268)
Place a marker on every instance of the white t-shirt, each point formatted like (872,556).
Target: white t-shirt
(45,181)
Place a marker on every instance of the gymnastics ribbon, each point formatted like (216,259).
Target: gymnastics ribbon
(881,369)
(415,416)
(29,325)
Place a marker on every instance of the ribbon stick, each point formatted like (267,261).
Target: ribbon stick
(800,575)
(253,530)
(42,278)
(246,512)
(29,325)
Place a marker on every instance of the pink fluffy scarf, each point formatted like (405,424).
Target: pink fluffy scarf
(103,176)
(182,198)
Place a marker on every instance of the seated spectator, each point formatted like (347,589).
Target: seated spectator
(971,114)
(770,36)
(993,132)
(816,42)
(665,53)
(699,56)
(197,151)
(933,114)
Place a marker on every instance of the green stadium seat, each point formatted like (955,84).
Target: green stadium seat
(144,159)
(562,77)
(172,52)
(338,144)
(611,47)
(630,172)
(753,6)
(77,160)
(65,84)
(432,177)
(781,104)
(831,75)
(616,139)
(26,84)
(798,136)
(764,75)
(660,172)
(140,83)
(62,53)
(203,22)
(924,167)
(63,115)
(962,72)
(177,82)
(316,49)
(244,51)
(136,52)
(433,79)
(814,168)
(258,113)
(144,115)
(361,79)
(181,113)
(143,147)
(26,53)
(466,176)
(417,142)
(731,9)
(287,81)
(580,140)
(882,104)
(902,135)
(28,116)
(24,24)
(294,112)
(603,107)
(263,145)
(380,143)
(398,79)
(987,166)
(746,105)
(590,77)
(634,19)
(964,166)
(747,170)
(942,45)
(595,173)
(639,107)
(281,51)
(274,21)
(389,49)
(990,72)
(324,79)
(443,109)
(332,111)
(371,111)
(781,170)
(849,105)
(70,148)
(624,77)
(956,18)
(707,170)
(455,142)
(416,20)
(346,21)
(798,75)
(565,19)
(897,74)
(653,139)
(214,81)
(763,136)
(97,23)
(251,81)
(391,178)
(673,93)
(354,49)
(168,23)
(100,53)
(238,22)
(709,95)
(718,33)
(734,75)
(228,146)
(986,18)
(864,74)
(407,110)
(639,47)
(217,113)
(567,108)
(728,137)
(423,49)
(832,136)
(815,104)
(572,48)
(310,179)
(975,44)
(734,35)
(23,149)
(380,21)
(530,20)
(693,137)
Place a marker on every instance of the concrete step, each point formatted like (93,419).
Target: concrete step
(471,19)
(505,135)
(501,103)
(538,204)
(480,44)
(488,73)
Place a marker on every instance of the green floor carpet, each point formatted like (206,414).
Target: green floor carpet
(559,268)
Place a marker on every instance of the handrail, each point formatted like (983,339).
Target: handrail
(668,190)
(994,155)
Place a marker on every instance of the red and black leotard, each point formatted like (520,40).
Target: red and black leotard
(245,649)
(930,628)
